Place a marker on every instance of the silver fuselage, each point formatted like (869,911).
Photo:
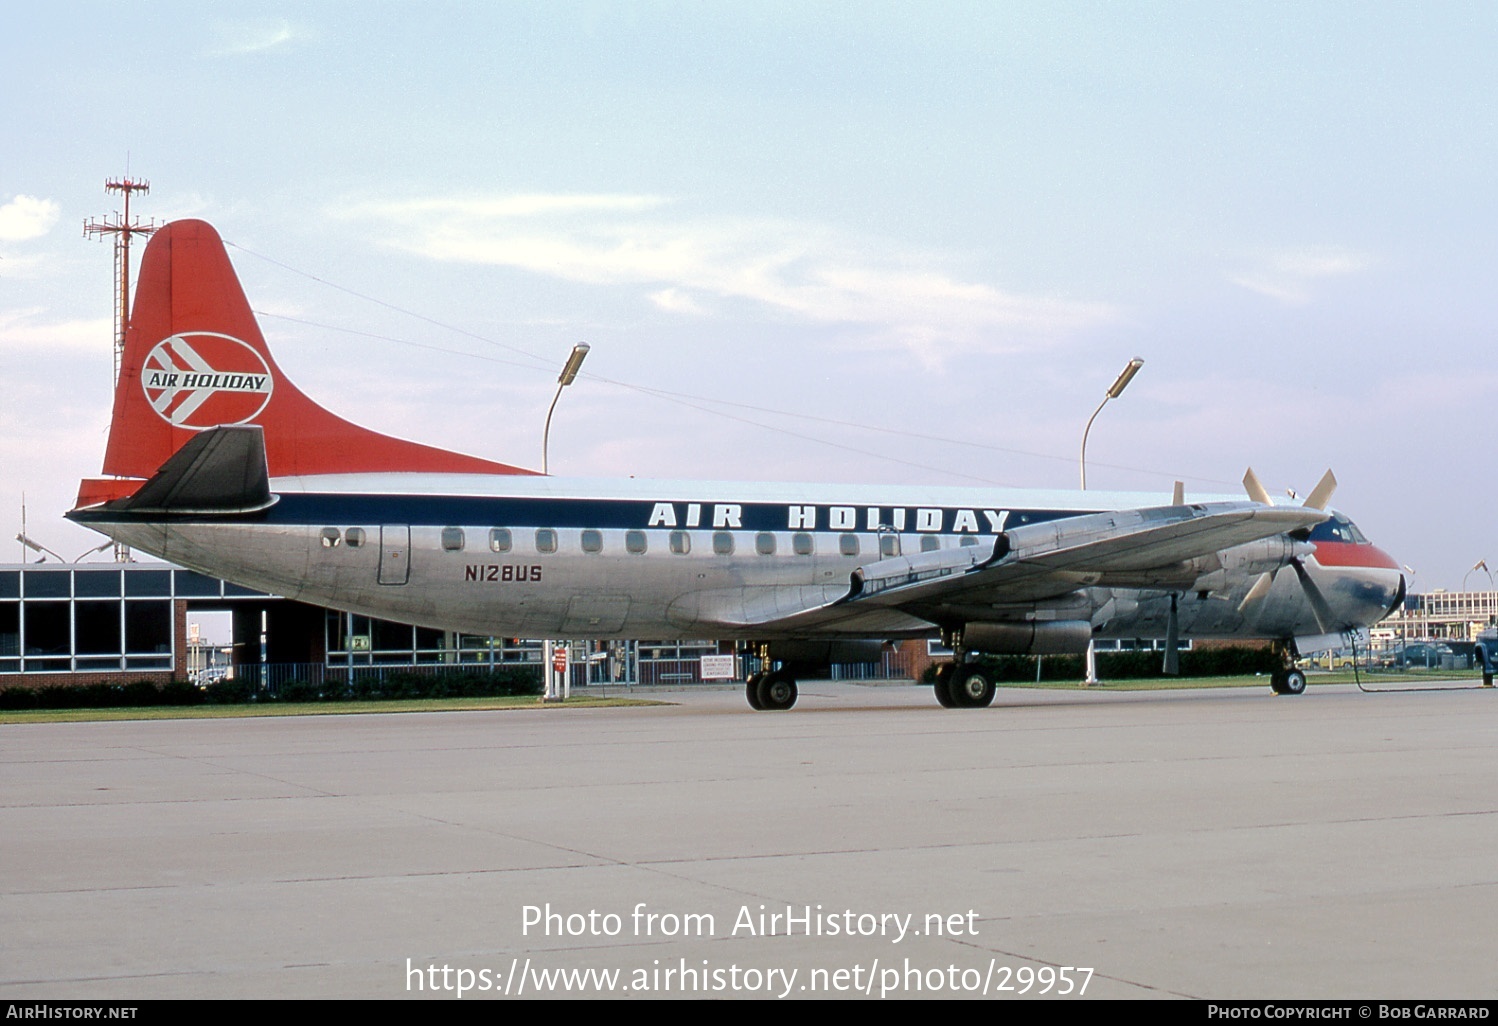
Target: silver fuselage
(556,557)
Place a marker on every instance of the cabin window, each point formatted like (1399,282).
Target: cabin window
(330,537)
(847,544)
(546,540)
(722,543)
(930,543)
(499,539)
(353,537)
(889,545)
(592,541)
(452,539)
(634,541)
(968,541)
(801,543)
(764,543)
(681,543)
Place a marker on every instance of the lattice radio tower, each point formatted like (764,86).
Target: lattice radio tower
(122,227)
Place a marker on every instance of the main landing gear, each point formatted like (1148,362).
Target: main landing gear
(963,686)
(774,690)
(1288,679)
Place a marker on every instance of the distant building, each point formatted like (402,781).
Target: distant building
(1443,615)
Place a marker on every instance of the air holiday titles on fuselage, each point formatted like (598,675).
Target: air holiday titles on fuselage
(729,516)
(210,380)
(622,514)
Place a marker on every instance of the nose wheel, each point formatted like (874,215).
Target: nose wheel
(1288,682)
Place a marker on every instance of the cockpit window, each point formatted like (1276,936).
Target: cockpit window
(1338,529)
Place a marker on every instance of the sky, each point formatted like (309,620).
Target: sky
(851,242)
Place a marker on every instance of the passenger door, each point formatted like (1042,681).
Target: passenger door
(395,553)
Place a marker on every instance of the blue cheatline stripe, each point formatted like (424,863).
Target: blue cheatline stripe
(343,509)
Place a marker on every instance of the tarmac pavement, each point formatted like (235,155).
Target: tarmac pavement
(1200,844)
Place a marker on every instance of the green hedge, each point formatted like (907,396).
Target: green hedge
(399,684)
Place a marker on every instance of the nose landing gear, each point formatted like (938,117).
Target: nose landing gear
(1288,679)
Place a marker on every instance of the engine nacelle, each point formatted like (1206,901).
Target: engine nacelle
(1042,637)
(1265,554)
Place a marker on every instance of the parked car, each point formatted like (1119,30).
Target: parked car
(1424,653)
(210,675)
(1336,659)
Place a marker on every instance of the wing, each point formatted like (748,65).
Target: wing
(1163,547)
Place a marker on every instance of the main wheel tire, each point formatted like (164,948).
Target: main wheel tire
(1277,682)
(751,691)
(1295,683)
(972,689)
(777,690)
(943,686)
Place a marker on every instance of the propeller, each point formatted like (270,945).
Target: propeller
(1320,608)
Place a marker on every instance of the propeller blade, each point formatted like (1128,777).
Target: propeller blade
(1322,493)
(1256,594)
(1254,489)
(1172,638)
(1319,608)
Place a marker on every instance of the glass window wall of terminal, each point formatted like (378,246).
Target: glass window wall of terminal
(356,640)
(57,620)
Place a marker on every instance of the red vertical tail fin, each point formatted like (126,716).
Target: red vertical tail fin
(195,359)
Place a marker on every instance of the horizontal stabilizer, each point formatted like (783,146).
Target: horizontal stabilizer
(221,470)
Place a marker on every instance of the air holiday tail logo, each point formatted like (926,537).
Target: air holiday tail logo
(201,379)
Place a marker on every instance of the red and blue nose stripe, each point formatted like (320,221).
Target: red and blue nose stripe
(1352,554)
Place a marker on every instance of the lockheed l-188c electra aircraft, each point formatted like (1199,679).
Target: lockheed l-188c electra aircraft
(218,463)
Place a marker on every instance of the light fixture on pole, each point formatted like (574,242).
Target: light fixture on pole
(41,549)
(97,548)
(568,375)
(1482,565)
(1114,391)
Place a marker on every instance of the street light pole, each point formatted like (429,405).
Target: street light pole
(556,691)
(1114,391)
(568,375)
(1481,564)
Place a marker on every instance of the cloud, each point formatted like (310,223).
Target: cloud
(27,217)
(24,331)
(894,297)
(676,301)
(1289,276)
(246,37)
(520,205)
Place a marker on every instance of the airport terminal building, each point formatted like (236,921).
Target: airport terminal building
(89,623)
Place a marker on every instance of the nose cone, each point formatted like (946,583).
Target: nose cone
(1365,584)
